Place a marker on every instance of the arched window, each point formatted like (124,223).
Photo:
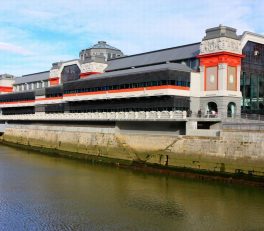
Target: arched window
(212,106)
(231,109)
(212,110)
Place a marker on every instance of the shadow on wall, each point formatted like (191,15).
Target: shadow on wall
(178,128)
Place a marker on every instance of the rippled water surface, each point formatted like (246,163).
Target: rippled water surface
(39,192)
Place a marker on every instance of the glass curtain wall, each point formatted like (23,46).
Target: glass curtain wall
(252,78)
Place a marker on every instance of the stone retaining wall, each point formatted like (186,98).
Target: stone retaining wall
(230,152)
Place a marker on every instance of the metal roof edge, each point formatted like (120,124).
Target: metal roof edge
(149,52)
(33,74)
(251,33)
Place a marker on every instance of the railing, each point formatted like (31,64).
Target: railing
(137,116)
(252,122)
(245,118)
(243,126)
(227,117)
(201,116)
(252,117)
(97,116)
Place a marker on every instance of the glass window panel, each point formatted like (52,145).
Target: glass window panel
(69,73)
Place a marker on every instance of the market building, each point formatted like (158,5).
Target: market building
(219,77)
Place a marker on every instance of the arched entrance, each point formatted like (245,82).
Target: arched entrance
(212,109)
(231,109)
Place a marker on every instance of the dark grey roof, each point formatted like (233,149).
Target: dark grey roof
(155,57)
(102,45)
(153,68)
(32,77)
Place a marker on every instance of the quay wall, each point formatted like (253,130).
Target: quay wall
(230,152)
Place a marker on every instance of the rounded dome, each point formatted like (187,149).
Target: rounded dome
(102,45)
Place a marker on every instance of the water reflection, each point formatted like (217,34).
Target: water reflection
(39,192)
(163,208)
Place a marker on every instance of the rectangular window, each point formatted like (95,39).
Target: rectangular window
(211,78)
(46,84)
(231,79)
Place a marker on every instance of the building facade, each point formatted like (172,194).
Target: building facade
(219,76)
(252,75)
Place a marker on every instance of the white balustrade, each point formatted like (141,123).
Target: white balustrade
(113,116)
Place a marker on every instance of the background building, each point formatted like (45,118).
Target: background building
(101,50)
(252,75)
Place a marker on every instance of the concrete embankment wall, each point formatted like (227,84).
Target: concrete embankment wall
(227,153)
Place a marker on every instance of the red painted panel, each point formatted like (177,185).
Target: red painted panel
(23,101)
(130,90)
(214,59)
(54,81)
(127,90)
(6,89)
(87,74)
(50,98)
(168,87)
(210,60)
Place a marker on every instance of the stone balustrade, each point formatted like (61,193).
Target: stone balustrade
(102,116)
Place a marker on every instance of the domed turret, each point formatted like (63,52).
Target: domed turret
(103,45)
(101,52)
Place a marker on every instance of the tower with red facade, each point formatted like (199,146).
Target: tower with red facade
(220,65)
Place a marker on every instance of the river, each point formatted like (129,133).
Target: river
(41,192)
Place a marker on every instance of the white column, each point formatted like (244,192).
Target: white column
(202,78)
(238,77)
(222,77)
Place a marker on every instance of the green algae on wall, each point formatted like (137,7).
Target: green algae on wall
(230,153)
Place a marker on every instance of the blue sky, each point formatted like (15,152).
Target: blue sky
(36,33)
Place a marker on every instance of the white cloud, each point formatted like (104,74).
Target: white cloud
(14,49)
(38,15)
(132,26)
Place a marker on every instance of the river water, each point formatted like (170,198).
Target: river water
(40,192)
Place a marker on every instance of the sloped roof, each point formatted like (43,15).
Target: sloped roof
(154,57)
(32,77)
(140,74)
(153,68)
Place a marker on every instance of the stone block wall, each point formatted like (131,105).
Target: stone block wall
(233,150)
(222,103)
